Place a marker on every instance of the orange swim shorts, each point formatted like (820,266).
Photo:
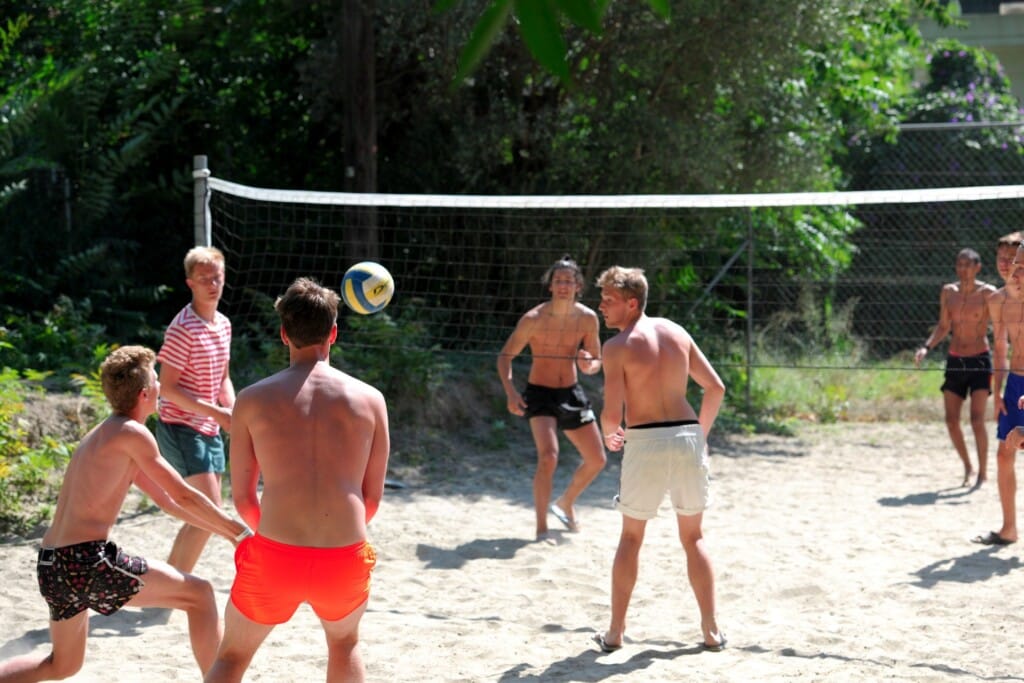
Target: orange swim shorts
(273,578)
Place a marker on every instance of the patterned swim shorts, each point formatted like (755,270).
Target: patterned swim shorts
(93,575)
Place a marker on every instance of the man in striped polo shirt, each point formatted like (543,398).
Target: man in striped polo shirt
(197,395)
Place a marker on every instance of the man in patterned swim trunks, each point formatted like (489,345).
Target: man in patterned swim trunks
(320,440)
(562,334)
(79,569)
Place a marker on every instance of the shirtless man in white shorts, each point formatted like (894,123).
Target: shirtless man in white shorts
(647,366)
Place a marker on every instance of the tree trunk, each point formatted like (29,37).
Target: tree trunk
(358,52)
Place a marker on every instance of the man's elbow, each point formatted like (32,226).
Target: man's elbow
(371,505)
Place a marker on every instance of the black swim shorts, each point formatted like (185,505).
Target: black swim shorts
(568,405)
(93,575)
(967,374)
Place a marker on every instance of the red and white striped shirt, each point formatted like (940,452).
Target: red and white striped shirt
(200,351)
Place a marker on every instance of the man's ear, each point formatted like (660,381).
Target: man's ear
(284,336)
(333,336)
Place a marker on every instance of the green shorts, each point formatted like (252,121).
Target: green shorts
(188,451)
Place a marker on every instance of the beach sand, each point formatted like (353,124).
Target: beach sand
(842,554)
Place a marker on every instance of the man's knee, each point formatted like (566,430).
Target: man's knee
(198,594)
(67,666)
(547,459)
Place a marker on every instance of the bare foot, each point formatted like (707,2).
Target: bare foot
(968,478)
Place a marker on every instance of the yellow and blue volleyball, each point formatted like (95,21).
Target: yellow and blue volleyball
(367,287)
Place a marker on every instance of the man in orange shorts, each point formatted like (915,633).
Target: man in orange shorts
(320,440)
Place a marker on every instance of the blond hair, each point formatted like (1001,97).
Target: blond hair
(1013,239)
(630,282)
(124,373)
(202,256)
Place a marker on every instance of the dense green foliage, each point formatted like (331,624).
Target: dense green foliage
(106,102)
(103,104)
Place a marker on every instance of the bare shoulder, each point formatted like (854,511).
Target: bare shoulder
(585,311)
(987,289)
(122,436)
(534,314)
(665,325)
(122,428)
(356,385)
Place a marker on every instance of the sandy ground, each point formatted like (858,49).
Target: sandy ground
(842,554)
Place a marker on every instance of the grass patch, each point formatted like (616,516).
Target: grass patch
(885,392)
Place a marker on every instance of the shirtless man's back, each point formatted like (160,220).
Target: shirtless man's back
(320,440)
(312,429)
(647,367)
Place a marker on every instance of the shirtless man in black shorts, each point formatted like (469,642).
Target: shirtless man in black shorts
(963,311)
(80,569)
(562,334)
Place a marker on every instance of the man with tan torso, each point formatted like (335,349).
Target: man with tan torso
(319,437)
(1007,310)
(80,569)
(562,335)
(964,312)
(647,367)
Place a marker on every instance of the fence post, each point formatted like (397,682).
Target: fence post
(750,306)
(203,230)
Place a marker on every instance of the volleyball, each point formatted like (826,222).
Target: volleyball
(367,287)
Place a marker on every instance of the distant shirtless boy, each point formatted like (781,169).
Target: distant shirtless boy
(80,569)
(319,438)
(562,334)
(963,310)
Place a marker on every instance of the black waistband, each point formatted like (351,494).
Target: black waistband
(671,423)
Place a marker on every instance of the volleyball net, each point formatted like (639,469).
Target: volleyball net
(838,279)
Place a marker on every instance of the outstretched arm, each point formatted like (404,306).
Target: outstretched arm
(174,495)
